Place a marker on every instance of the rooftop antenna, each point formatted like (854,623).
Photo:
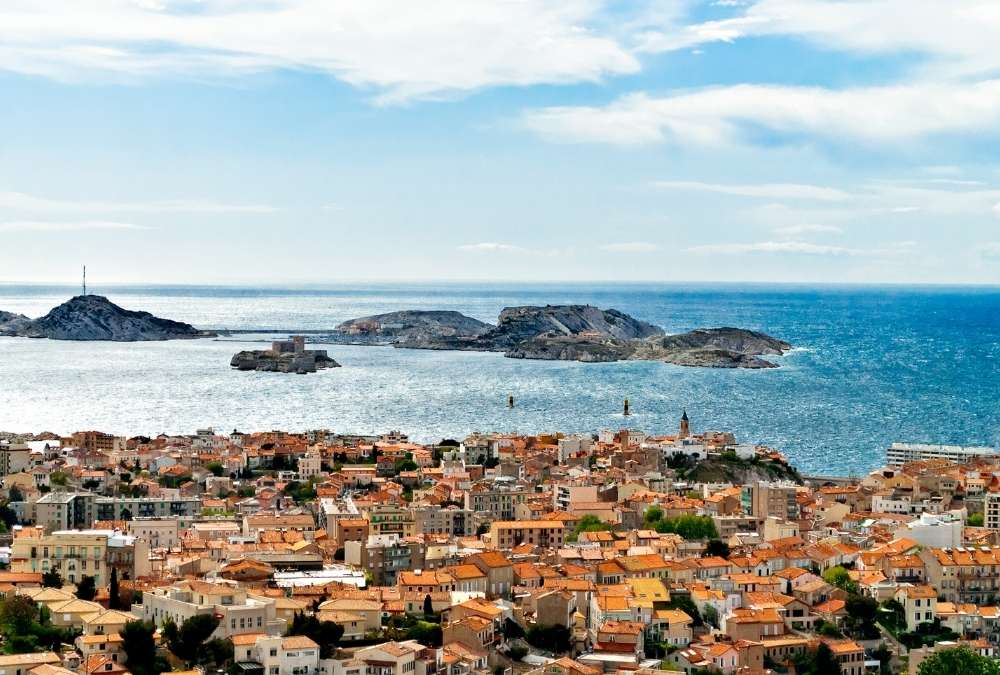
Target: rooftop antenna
(84,279)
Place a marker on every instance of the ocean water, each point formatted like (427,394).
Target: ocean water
(872,365)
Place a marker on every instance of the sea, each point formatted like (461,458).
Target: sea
(871,365)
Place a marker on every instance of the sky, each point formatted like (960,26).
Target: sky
(318,141)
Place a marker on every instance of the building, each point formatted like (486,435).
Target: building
(902,453)
(391,519)
(765,500)
(496,500)
(451,520)
(73,554)
(127,508)
(507,534)
(14,457)
(237,611)
(991,510)
(159,532)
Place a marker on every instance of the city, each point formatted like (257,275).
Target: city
(338,554)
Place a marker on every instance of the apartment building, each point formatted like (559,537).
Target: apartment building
(496,500)
(391,519)
(963,575)
(507,534)
(450,520)
(764,500)
(238,612)
(902,453)
(75,554)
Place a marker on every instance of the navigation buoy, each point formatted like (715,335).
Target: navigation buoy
(625,411)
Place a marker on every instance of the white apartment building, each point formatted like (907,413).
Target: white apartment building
(901,453)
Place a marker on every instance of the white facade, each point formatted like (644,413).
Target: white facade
(901,453)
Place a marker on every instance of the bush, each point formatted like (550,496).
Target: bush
(517,652)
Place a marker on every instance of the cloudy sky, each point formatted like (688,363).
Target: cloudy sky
(242,141)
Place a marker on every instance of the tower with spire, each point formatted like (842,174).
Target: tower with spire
(685,429)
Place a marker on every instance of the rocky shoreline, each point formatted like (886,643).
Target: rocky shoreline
(565,333)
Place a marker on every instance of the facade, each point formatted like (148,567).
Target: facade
(72,554)
(510,533)
(901,453)
(767,500)
(238,612)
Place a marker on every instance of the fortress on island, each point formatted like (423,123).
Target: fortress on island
(284,356)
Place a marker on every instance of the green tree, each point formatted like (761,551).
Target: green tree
(14,494)
(975,520)
(717,547)
(326,634)
(654,514)
(820,661)
(428,605)
(52,579)
(216,468)
(58,478)
(555,638)
(838,576)
(688,526)
(186,642)
(86,589)
(114,601)
(958,660)
(711,616)
(140,649)
(517,652)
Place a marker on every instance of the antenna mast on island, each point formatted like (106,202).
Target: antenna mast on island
(84,279)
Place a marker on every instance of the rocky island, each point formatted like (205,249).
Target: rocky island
(94,317)
(566,333)
(284,356)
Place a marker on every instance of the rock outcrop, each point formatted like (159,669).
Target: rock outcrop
(567,333)
(94,317)
(12,324)
(268,360)
(408,326)
(284,356)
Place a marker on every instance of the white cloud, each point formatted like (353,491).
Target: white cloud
(763,190)
(402,50)
(990,249)
(491,247)
(738,114)
(20,201)
(797,248)
(808,228)
(46,226)
(957,38)
(631,247)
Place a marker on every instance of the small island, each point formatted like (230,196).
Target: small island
(564,333)
(95,318)
(284,356)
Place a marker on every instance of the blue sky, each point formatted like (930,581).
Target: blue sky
(311,141)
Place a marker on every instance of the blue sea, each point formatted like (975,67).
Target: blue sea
(872,365)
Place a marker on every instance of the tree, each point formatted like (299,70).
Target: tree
(711,615)
(517,652)
(428,605)
(688,526)
(58,478)
(14,494)
(216,468)
(52,579)
(326,634)
(958,660)
(717,547)
(555,638)
(820,661)
(974,519)
(838,576)
(140,649)
(186,642)
(115,601)
(86,589)
(654,514)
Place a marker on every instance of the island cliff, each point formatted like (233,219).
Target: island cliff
(94,317)
(567,333)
